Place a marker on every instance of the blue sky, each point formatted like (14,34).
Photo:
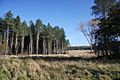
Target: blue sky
(64,13)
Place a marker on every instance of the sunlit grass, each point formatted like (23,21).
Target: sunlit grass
(43,69)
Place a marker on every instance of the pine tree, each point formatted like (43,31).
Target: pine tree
(17,29)
(38,27)
(9,23)
(23,34)
(32,34)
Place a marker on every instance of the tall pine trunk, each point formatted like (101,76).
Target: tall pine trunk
(57,46)
(11,45)
(54,47)
(44,46)
(7,41)
(49,47)
(22,44)
(16,43)
(37,42)
(46,51)
(29,49)
(62,48)
(3,37)
(31,43)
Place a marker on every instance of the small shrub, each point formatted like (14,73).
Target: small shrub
(4,74)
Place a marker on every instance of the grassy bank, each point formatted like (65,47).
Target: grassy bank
(58,69)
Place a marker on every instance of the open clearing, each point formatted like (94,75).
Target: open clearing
(69,53)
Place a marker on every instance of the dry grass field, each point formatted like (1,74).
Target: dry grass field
(75,65)
(80,53)
(69,53)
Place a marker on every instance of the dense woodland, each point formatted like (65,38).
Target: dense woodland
(102,33)
(105,35)
(17,37)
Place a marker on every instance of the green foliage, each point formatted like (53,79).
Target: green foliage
(4,74)
(17,25)
(31,28)
(38,24)
(101,7)
(107,35)
(9,19)
(24,28)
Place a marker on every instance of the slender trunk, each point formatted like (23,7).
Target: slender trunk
(29,48)
(3,37)
(12,42)
(57,46)
(49,47)
(44,46)
(91,48)
(62,49)
(7,41)
(11,45)
(37,43)
(31,43)
(16,43)
(22,44)
(107,45)
(54,48)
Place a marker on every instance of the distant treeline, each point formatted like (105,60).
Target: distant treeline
(18,37)
(78,48)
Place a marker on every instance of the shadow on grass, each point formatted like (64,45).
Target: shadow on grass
(63,58)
